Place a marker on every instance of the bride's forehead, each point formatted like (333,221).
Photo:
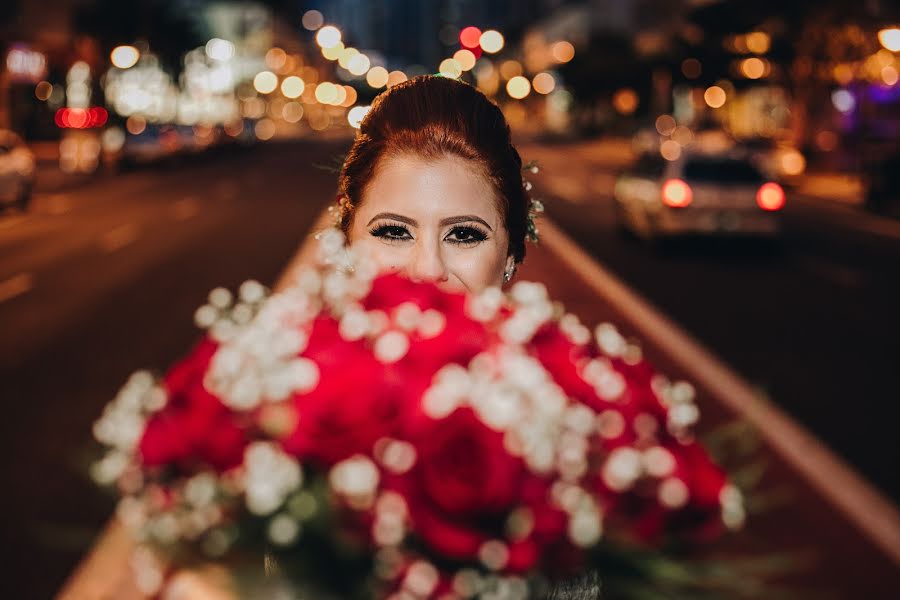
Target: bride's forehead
(447,183)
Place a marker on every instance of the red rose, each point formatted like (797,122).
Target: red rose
(463,487)
(357,401)
(194,424)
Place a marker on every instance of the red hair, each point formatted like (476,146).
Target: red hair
(429,117)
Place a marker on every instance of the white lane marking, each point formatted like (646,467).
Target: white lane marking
(118,238)
(16,286)
(185,208)
(863,505)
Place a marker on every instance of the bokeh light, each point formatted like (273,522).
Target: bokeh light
(396,77)
(792,162)
(276,58)
(683,136)
(359,64)
(691,68)
(491,41)
(345,56)
(377,77)
(328,36)
(450,68)
(219,49)
(470,37)
(43,90)
(292,87)
(890,38)
(753,68)
(843,100)
(334,52)
(265,82)
(356,114)
(465,58)
(518,87)
(714,96)
(758,42)
(563,52)
(770,196)
(350,96)
(264,129)
(292,112)
(326,92)
(543,83)
(124,57)
(625,101)
(510,68)
(312,20)
(889,75)
(665,124)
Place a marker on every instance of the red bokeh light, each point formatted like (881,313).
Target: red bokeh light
(470,37)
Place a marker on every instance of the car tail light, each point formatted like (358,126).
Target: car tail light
(770,196)
(676,193)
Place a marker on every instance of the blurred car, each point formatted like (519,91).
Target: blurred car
(17,170)
(697,194)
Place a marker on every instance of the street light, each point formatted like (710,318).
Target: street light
(890,38)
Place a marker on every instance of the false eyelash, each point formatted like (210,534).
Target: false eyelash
(380,230)
(478,237)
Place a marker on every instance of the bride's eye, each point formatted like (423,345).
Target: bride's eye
(466,236)
(391,233)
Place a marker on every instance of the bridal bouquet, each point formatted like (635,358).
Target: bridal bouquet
(375,437)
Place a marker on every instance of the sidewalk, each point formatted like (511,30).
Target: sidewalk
(852,532)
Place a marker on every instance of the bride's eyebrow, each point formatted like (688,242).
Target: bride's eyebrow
(465,219)
(393,217)
(443,223)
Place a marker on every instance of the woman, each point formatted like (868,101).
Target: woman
(432,186)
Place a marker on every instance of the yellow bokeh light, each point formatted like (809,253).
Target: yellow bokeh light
(333,53)
(518,87)
(265,82)
(510,69)
(450,68)
(753,68)
(465,58)
(292,112)
(683,135)
(889,75)
(328,36)
(563,52)
(625,101)
(492,41)
(359,64)
(135,125)
(377,77)
(714,96)
(124,57)
(843,73)
(758,42)
(292,87)
(356,114)
(312,20)
(396,77)
(670,150)
(345,56)
(264,129)
(326,92)
(890,38)
(275,58)
(665,124)
(793,162)
(543,83)
(340,95)
(43,90)
(350,96)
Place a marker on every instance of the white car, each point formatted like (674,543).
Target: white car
(17,170)
(697,194)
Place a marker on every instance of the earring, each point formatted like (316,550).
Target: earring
(509,273)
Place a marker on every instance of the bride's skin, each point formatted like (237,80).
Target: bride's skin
(434,220)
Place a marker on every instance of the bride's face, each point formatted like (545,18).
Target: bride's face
(434,220)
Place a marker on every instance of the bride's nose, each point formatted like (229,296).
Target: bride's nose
(428,265)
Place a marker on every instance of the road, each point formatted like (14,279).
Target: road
(811,321)
(104,279)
